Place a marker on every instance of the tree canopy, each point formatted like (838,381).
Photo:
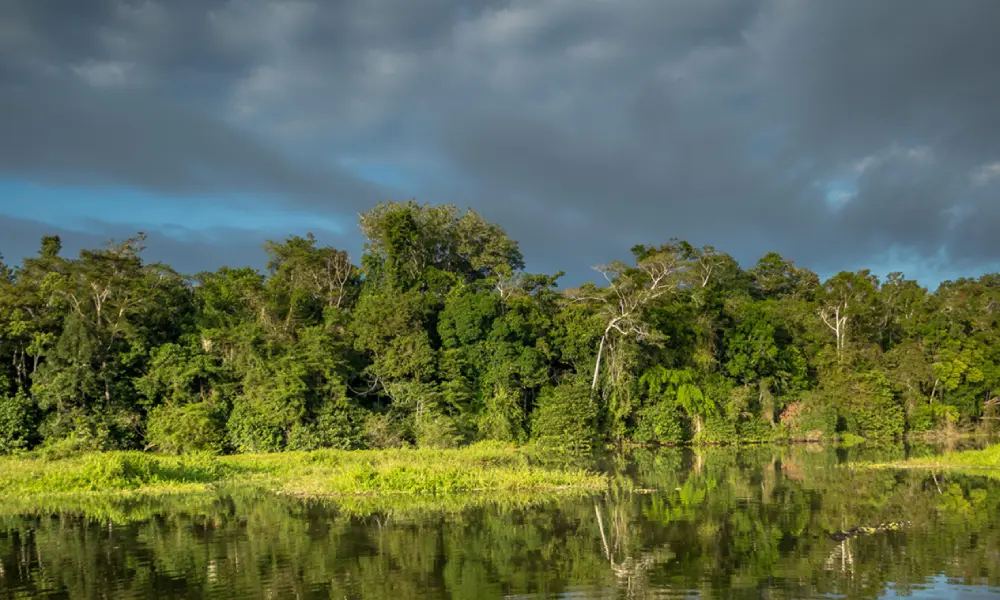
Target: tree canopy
(438,336)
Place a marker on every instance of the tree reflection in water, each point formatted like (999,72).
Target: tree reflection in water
(720,523)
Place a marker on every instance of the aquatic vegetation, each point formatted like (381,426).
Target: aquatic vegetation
(982,463)
(987,459)
(477,468)
(719,522)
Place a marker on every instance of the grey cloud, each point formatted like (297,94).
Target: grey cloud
(69,134)
(161,132)
(733,138)
(188,251)
(582,126)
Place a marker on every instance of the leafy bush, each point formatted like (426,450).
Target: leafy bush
(876,422)
(501,417)
(195,427)
(16,422)
(754,429)
(382,431)
(659,424)
(78,431)
(872,410)
(717,429)
(435,429)
(931,416)
(565,417)
(258,422)
(339,425)
(810,419)
(56,449)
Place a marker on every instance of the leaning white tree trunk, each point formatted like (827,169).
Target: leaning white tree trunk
(627,296)
(597,364)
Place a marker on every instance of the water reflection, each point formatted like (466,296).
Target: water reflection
(718,523)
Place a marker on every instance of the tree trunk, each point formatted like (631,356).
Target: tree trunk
(597,364)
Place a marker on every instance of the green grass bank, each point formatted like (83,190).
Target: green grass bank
(329,473)
(979,462)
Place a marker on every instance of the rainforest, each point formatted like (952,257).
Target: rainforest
(437,337)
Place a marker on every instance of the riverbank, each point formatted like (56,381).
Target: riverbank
(321,473)
(980,462)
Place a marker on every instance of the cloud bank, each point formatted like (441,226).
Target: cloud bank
(842,134)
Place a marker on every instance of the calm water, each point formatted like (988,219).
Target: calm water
(722,523)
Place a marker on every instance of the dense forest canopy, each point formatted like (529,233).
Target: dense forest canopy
(440,337)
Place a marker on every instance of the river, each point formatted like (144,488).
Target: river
(752,522)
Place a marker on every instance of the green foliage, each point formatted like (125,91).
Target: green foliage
(439,337)
(932,416)
(483,467)
(17,425)
(436,429)
(677,387)
(386,430)
(565,417)
(659,424)
(501,417)
(177,374)
(874,411)
(407,241)
(271,405)
(754,429)
(810,419)
(467,317)
(718,429)
(183,428)
(338,425)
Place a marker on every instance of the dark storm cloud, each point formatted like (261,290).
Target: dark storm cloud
(582,126)
(80,109)
(732,141)
(77,136)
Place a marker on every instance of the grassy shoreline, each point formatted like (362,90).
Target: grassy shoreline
(979,462)
(322,473)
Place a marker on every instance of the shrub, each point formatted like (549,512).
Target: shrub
(871,410)
(659,424)
(810,419)
(75,431)
(195,427)
(931,416)
(754,429)
(501,417)
(565,417)
(877,422)
(381,430)
(254,429)
(338,425)
(16,422)
(717,429)
(434,429)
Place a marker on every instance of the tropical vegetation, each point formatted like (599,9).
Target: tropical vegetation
(439,337)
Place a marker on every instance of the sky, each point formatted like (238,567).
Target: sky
(844,135)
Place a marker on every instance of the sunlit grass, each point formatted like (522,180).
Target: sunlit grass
(478,468)
(979,462)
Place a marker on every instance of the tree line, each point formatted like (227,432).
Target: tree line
(440,337)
